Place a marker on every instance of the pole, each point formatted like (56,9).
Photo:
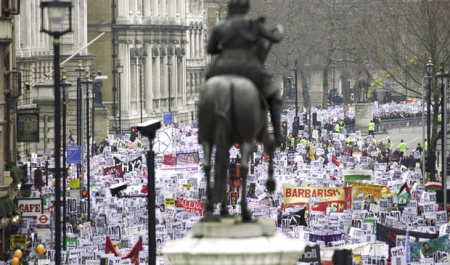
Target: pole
(93,119)
(148,130)
(151,205)
(79,69)
(87,81)
(442,74)
(120,104)
(168,81)
(444,142)
(114,89)
(423,133)
(296,90)
(64,85)
(57,93)
(430,160)
(140,85)
(114,66)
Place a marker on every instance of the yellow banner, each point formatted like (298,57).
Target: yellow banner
(18,240)
(300,195)
(74,183)
(366,189)
(187,186)
(169,202)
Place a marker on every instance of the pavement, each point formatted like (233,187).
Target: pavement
(411,135)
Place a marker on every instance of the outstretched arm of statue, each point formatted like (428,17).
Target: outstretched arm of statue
(275,35)
(213,44)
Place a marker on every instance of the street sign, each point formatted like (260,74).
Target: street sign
(43,220)
(73,154)
(167,117)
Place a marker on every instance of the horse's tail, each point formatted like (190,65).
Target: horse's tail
(222,109)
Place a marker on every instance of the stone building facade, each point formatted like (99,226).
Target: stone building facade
(34,62)
(160,46)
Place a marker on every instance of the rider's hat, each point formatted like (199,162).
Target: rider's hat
(238,6)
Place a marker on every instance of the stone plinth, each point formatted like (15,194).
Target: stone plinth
(234,243)
(363,114)
(101,124)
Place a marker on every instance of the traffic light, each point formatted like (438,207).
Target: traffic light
(84,194)
(305,118)
(133,133)
(284,126)
(295,127)
(314,119)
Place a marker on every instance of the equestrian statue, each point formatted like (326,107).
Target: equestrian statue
(234,101)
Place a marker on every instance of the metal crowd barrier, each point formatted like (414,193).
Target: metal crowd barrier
(390,125)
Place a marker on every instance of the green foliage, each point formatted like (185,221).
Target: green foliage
(6,206)
(16,173)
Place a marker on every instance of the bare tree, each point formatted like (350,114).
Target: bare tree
(406,34)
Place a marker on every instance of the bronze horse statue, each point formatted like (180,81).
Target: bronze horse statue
(231,111)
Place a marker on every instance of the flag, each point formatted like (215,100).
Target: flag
(144,189)
(169,160)
(265,156)
(311,153)
(404,187)
(335,161)
(113,170)
(134,253)
(144,174)
(407,248)
(109,247)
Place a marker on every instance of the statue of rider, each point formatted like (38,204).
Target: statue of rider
(242,45)
(98,93)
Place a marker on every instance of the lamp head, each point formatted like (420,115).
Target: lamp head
(149,128)
(429,67)
(117,188)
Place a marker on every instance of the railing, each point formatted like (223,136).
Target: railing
(386,126)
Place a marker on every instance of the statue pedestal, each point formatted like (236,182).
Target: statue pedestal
(227,242)
(101,123)
(363,115)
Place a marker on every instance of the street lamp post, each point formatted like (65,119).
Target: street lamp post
(93,115)
(140,64)
(64,84)
(148,129)
(169,64)
(333,66)
(430,160)
(296,88)
(443,75)
(88,81)
(80,70)
(54,11)
(119,69)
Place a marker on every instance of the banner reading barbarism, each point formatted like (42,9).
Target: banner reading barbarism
(366,189)
(337,197)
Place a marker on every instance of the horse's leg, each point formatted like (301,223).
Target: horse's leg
(246,151)
(220,177)
(270,184)
(209,207)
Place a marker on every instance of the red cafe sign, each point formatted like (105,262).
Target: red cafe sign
(30,207)
(190,206)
